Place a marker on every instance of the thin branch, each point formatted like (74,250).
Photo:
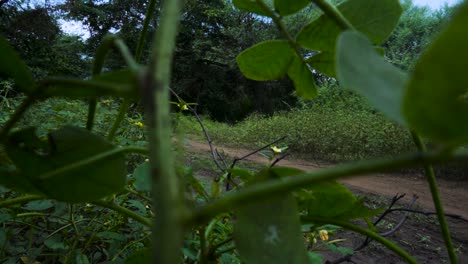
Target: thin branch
(346,225)
(205,132)
(284,185)
(229,176)
(124,211)
(279,159)
(402,220)
(427,213)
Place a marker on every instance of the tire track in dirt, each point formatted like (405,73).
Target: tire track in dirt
(453,193)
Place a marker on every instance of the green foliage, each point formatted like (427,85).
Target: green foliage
(302,78)
(370,72)
(14,67)
(49,167)
(74,165)
(266,61)
(271,227)
(442,66)
(284,7)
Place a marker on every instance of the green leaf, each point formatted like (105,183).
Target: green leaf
(139,256)
(142,177)
(436,100)
(244,175)
(332,199)
(17,183)
(66,147)
(375,19)
(138,205)
(196,185)
(323,62)
(360,68)
(39,205)
(81,258)
(269,231)
(315,258)
(249,6)
(302,78)
(287,7)
(55,242)
(109,235)
(13,67)
(267,60)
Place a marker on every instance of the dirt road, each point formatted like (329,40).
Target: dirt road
(453,193)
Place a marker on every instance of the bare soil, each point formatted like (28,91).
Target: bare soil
(420,235)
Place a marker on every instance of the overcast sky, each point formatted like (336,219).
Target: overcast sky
(434,4)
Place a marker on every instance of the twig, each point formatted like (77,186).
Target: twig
(221,158)
(367,241)
(248,155)
(205,131)
(427,213)
(395,199)
(402,220)
(279,159)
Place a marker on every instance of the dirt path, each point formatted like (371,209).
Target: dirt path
(453,194)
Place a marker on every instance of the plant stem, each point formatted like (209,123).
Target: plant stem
(390,245)
(21,200)
(284,185)
(139,50)
(430,177)
(167,230)
(122,111)
(16,117)
(99,157)
(141,39)
(334,14)
(124,211)
(91,113)
(202,258)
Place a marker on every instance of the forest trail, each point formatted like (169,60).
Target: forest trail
(453,193)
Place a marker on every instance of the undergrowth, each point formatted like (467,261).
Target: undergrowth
(336,126)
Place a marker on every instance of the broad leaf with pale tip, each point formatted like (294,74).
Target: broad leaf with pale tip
(362,69)
(436,100)
(266,61)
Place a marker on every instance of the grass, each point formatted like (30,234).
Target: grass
(326,134)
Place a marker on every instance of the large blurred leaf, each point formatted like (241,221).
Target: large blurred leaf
(139,256)
(13,67)
(142,177)
(265,61)
(360,68)
(250,6)
(287,7)
(376,19)
(332,199)
(302,78)
(73,88)
(17,183)
(436,100)
(68,146)
(269,231)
